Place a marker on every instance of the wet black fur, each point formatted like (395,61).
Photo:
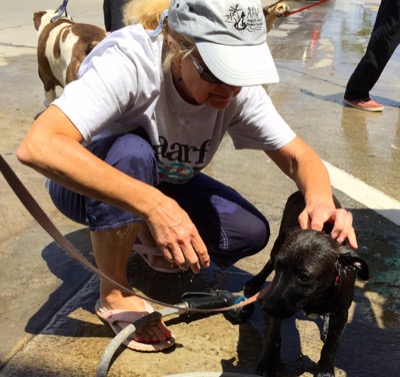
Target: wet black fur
(314,274)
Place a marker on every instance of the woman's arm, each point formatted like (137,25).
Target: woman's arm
(53,147)
(304,166)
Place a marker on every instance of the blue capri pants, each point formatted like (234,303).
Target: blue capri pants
(229,225)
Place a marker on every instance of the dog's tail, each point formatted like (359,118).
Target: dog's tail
(146,12)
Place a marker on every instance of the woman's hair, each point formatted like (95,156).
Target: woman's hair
(148,13)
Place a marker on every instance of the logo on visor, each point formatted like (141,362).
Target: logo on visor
(250,21)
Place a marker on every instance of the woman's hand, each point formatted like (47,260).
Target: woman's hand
(176,235)
(314,217)
(304,166)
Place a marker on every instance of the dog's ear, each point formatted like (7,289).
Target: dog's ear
(266,11)
(350,259)
(37,18)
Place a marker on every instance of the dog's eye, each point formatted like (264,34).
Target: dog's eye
(303,276)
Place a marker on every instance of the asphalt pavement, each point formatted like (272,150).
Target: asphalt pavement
(47,321)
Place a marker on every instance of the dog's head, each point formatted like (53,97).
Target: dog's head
(42,18)
(308,266)
(279,9)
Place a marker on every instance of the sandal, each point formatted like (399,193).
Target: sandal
(146,251)
(119,319)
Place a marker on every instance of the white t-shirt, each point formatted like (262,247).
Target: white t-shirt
(122,86)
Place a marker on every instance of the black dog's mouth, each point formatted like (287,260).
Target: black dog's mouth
(283,307)
(278,307)
(279,314)
(282,317)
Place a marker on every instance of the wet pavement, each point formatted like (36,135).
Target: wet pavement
(47,322)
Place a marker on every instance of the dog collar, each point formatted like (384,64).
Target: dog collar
(319,294)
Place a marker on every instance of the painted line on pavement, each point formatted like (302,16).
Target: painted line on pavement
(358,190)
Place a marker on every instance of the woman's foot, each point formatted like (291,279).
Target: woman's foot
(118,312)
(112,249)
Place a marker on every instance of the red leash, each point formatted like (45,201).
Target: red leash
(307,7)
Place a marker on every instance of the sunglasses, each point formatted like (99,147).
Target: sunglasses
(204,73)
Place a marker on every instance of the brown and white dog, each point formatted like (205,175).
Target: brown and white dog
(275,11)
(62,46)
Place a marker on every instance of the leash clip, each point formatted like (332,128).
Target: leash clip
(62,9)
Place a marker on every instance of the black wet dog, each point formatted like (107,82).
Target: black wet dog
(314,274)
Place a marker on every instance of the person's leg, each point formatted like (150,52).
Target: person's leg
(107,14)
(384,40)
(113,230)
(111,249)
(113,14)
(230,226)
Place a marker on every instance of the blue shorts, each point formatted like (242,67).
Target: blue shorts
(229,225)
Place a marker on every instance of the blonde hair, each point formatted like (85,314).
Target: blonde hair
(148,13)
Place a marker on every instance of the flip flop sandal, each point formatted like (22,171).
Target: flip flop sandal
(119,319)
(145,251)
